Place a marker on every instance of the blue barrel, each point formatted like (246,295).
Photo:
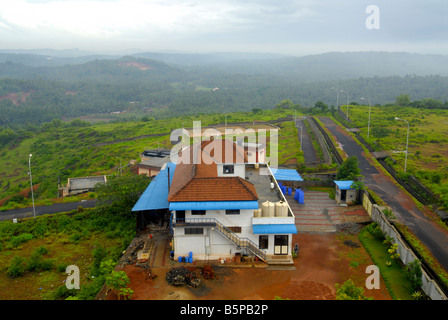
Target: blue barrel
(179,259)
(190,259)
(289,191)
(190,254)
(301,197)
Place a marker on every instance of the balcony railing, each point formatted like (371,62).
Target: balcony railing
(229,234)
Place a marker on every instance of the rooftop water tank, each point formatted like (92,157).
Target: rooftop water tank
(281,209)
(265,209)
(271,209)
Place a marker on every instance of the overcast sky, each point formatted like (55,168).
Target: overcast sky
(294,27)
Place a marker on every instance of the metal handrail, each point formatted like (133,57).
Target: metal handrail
(229,234)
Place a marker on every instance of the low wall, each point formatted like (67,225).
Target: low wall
(320,140)
(429,286)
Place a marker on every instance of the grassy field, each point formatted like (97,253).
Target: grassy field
(63,151)
(428,141)
(391,271)
(34,254)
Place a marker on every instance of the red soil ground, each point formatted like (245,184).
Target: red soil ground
(323,261)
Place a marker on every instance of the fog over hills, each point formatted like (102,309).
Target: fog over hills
(57,85)
(326,66)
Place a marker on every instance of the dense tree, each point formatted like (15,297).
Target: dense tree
(122,193)
(403,100)
(321,106)
(349,169)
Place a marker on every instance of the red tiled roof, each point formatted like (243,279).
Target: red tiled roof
(200,181)
(215,189)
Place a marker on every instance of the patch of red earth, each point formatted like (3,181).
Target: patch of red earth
(323,261)
(356,212)
(25,193)
(17,98)
(140,66)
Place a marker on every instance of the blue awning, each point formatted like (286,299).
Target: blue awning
(286,175)
(213,205)
(156,194)
(344,185)
(274,228)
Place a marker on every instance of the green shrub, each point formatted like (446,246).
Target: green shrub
(63,223)
(375,230)
(348,291)
(414,274)
(62,292)
(62,267)
(24,237)
(99,254)
(40,251)
(36,261)
(16,267)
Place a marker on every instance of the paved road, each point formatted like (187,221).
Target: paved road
(55,208)
(307,147)
(433,236)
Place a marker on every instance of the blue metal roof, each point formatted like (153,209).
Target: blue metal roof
(286,175)
(344,185)
(274,228)
(156,194)
(213,205)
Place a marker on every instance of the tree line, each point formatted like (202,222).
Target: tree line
(40,94)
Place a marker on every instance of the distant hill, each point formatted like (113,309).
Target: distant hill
(327,66)
(87,68)
(341,65)
(38,88)
(201,59)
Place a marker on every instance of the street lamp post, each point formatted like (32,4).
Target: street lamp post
(31,183)
(348,98)
(346,117)
(368,126)
(337,97)
(407,142)
(295,121)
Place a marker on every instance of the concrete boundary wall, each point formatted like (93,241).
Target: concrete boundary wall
(429,286)
(320,139)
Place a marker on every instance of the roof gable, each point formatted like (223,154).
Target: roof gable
(197,178)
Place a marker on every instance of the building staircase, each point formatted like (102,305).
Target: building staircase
(240,242)
(318,213)
(226,232)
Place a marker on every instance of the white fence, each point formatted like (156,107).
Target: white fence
(429,286)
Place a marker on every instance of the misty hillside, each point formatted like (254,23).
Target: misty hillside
(333,65)
(337,65)
(32,91)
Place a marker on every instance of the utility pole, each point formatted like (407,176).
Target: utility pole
(407,141)
(31,183)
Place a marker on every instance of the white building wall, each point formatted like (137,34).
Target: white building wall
(239,170)
(212,244)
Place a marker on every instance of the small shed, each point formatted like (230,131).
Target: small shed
(345,193)
(81,185)
(152,166)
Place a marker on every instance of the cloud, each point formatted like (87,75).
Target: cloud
(180,24)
